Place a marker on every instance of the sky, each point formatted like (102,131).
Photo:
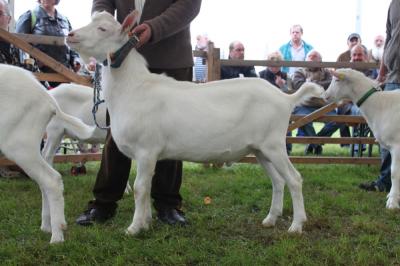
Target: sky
(263,25)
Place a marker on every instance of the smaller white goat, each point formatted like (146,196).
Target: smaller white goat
(154,117)
(75,100)
(380,109)
(26,110)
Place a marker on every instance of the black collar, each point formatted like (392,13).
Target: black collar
(118,57)
(366,96)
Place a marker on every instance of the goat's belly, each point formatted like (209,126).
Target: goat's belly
(205,155)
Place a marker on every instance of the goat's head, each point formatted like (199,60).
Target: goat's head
(101,36)
(342,85)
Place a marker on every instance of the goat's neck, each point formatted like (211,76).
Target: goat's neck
(116,82)
(371,104)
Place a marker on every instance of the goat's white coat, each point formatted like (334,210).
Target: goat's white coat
(26,110)
(155,117)
(380,111)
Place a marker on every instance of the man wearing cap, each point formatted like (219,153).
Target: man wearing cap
(352,41)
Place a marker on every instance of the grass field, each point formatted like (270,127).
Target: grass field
(345,226)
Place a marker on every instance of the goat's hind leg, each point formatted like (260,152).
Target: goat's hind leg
(393,198)
(278,186)
(142,188)
(51,186)
(282,164)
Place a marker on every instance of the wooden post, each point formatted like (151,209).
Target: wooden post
(314,115)
(213,62)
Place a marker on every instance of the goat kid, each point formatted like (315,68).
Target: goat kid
(378,109)
(75,100)
(27,109)
(154,117)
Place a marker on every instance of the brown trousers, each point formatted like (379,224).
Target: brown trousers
(115,167)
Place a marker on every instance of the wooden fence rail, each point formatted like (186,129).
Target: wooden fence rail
(213,63)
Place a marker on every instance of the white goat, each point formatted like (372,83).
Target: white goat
(380,110)
(26,110)
(154,117)
(75,100)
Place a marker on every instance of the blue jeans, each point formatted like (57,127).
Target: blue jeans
(384,181)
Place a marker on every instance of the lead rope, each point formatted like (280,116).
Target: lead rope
(96,95)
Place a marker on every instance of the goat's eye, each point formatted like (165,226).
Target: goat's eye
(101,29)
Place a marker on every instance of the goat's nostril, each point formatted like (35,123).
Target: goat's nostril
(71,34)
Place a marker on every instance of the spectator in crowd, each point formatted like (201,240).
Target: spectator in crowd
(236,51)
(200,65)
(164,40)
(296,49)
(352,41)
(376,52)
(274,74)
(46,20)
(389,73)
(317,75)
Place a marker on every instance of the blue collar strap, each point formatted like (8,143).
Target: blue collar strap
(119,56)
(366,96)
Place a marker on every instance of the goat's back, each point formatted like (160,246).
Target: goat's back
(77,100)
(23,100)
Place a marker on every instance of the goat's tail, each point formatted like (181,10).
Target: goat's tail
(305,92)
(73,124)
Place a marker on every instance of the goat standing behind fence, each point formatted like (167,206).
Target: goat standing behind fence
(380,109)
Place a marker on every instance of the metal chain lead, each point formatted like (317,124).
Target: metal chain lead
(96,95)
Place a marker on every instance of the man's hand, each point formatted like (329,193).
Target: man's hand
(143,31)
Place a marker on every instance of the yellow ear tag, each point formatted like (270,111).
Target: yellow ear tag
(341,76)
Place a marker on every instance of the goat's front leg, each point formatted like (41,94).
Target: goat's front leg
(393,198)
(141,189)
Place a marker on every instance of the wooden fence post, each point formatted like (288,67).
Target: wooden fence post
(213,62)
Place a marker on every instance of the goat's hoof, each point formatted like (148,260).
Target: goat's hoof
(392,204)
(132,231)
(295,228)
(57,238)
(136,229)
(45,228)
(269,221)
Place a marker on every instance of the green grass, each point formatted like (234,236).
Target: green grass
(345,226)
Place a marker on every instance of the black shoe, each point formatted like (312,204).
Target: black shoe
(309,149)
(371,186)
(318,150)
(94,214)
(172,217)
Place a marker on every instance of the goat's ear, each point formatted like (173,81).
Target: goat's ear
(129,21)
(339,76)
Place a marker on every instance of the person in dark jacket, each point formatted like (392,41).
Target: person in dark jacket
(236,51)
(274,74)
(46,20)
(164,41)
